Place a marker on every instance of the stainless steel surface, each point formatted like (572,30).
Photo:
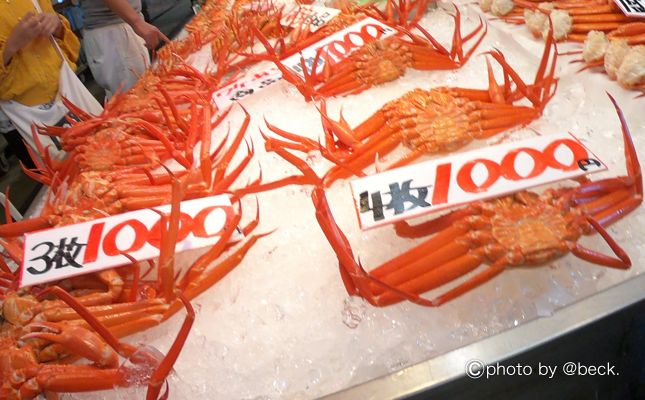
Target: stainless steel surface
(451,365)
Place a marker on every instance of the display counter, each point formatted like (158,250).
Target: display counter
(281,325)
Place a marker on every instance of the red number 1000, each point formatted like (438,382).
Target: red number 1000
(507,168)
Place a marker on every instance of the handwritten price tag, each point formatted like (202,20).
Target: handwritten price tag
(246,86)
(310,17)
(60,253)
(335,48)
(470,176)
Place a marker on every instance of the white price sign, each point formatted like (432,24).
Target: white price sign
(435,185)
(309,17)
(246,86)
(338,46)
(632,8)
(60,253)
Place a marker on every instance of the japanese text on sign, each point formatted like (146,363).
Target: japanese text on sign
(331,49)
(338,46)
(466,177)
(632,8)
(92,246)
(310,17)
(246,86)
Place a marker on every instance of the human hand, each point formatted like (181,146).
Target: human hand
(27,29)
(50,24)
(149,33)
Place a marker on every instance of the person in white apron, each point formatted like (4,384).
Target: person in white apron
(115,37)
(38,51)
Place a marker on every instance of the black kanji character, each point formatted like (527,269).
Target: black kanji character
(400,195)
(63,255)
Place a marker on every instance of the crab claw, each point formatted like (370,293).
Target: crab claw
(340,128)
(608,200)
(303,86)
(76,339)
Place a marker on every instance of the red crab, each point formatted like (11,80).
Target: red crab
(523,229)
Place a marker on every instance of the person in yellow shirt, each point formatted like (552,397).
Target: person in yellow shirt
(30,67)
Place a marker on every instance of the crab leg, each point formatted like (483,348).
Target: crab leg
(197,269)
(114,320)
(404,229)
(76,110)
(428,248)
(486,123)
(107,278)
(19,228)
(458,42)
(222,165)
(437,253)
(354,277)
(79,378)
(136,325)
(613,214)
(434,260)
(477,280)
(304,87)
(607,209)
(159,135)
(54,312)
(624,194)
(633,32)
(362,160)
(133,191)
(165,367)
(440,272)
(145,178)
(622,262)
(169,239)
(423,53)
(225,183)
(214,275)
(445,274)
(79,340)
(126,350)
(356,280)
(69,378)
(205,164)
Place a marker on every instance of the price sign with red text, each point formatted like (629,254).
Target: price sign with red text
(246,86)
(310,17)
(338,46)
(92,246)
(435,185)
(632,8)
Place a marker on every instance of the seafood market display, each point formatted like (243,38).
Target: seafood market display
(387,59)
(293,299)
(434,121)
(525,228)
(612,40)
(621,53)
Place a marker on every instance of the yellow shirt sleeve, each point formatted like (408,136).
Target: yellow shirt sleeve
(31,77)
(69,43)
(7,72)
